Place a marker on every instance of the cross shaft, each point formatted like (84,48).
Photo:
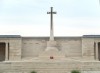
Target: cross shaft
(51,25)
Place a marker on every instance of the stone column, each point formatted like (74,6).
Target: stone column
(51,34)
(6,52)
(96,50)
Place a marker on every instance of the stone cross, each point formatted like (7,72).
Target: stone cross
(51,25)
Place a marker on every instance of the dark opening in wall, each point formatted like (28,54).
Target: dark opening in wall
(2,51)
(99,51)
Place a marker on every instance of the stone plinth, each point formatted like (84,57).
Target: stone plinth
(51,52)
(51,45)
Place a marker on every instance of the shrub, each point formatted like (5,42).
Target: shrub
(75,71)
(33,72)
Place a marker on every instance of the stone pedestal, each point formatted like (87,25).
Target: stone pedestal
(51,45)
(51,52)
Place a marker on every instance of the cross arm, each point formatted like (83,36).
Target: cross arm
(52,12)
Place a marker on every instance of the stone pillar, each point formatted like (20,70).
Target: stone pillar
(51,35)
(6,52)
(96,50)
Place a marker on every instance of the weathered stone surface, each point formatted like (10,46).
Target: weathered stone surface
(69,53)
(49,66)
(71,47)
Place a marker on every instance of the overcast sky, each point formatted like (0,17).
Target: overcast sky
(29,17)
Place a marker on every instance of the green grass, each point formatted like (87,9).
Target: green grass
(33,72)
(75,71)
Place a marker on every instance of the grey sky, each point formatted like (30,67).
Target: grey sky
(29,18)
